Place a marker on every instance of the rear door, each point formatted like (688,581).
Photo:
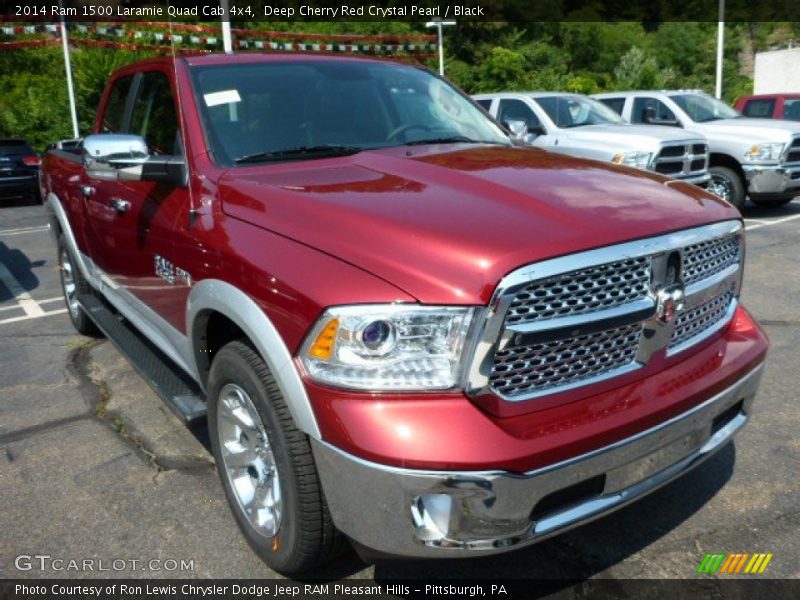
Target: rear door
(132,223)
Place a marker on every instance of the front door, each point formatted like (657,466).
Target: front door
(131,223)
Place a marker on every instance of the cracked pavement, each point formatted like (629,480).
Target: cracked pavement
(94,466)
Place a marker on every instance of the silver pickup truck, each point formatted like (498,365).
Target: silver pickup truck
(580,126)
(759,158)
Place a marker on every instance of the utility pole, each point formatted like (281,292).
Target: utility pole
(439,24)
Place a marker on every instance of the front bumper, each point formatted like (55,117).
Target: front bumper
(698,180)
(415,513)
(775,179)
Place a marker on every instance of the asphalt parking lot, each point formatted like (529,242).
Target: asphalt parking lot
(94,467)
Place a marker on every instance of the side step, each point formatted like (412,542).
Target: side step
(182,395)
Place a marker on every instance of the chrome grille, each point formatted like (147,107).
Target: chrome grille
(682,160)
(583,318)
(703,260)
(584,291)
(701,318)
(538,367)
(793,155)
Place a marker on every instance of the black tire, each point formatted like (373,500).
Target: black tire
(768,201)
(727,184)
(73,285)
(306,536)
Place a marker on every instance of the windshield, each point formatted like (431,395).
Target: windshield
(576,111)
(702,108)
(300,110)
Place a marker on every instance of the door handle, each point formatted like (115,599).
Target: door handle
(119,205)
(87,191)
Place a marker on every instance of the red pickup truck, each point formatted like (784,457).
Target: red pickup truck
(405,329)
(770,106)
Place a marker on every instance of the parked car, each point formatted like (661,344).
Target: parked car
(581,126)
(759,158)
(770,106)
(19,169)
(403,328)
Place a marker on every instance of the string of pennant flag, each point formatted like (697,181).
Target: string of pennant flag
(191,38)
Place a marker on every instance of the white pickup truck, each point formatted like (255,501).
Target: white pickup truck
(759,158)
(581,126)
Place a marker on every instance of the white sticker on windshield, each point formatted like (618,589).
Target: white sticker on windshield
(223,97)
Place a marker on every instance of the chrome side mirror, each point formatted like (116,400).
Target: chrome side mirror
(113,157)
(518,129)
(123,157)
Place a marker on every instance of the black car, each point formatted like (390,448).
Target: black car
(19,170)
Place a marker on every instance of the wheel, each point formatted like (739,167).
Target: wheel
(768,201)
(73,284)
(727,184)
(266,465)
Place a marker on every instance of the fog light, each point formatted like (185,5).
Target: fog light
(431,515)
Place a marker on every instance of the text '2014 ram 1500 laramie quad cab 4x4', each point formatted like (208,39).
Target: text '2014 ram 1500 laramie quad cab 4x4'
(406,330)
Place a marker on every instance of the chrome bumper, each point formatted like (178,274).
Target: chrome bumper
(412,513)
(772,179)
(698,180)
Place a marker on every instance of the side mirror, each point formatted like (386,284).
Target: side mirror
(123,157)
(536,131)
(518,129)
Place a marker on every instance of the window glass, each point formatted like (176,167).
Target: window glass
(576,111)
(487,103)
(791,109)
(703,108)
(658,110)
(615,104)
(275,107)
(154,117)
(516,110)
(115,107)
(761,109)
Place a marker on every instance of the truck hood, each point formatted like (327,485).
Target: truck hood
(632,137)
(446,223)
(753,130)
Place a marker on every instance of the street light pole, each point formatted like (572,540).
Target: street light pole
(720,45)
(439,24)
(227,41)
(68,68)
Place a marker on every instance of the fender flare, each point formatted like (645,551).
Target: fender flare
(219,296)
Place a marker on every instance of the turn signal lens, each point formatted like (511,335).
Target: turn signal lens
(322,348)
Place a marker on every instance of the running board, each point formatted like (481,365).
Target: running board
(182,395)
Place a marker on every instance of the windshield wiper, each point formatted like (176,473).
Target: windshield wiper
(455,139)
(301,152)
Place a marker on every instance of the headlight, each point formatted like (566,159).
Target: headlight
(772,151)
(387,347)
(640,160)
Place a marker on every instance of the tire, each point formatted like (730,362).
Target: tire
(727,184)
(768,201)
(268,461)
(73,285)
